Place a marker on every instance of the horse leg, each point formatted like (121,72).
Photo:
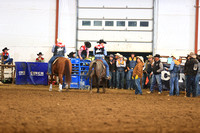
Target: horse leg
(60,82)
(90,80)
(98,84)
(104,85)
(51,80)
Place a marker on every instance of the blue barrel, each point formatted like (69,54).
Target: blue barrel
(36,73)
(21,73)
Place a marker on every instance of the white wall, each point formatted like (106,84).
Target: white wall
(175,27)
(67,24)
(27,27)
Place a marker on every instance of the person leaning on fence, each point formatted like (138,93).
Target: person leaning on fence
(112,70)
(6,56)
(84,50)
(131,63)
(100,52)
(39,58)
(137,74)
(58,50)
(147,70)
(120,64)
(174,74)
(190,70)
(156,74)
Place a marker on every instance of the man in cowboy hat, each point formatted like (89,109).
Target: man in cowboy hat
(190,70)
(100,52)
(84,50)
(112,70)
(131,63)
(147,70)
(137,74)
(40,58)
(58,50)
(120,64)
(6,56)
(156,74)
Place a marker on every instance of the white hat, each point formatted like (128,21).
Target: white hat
(59,40)
(125,58)
(141,58)
(120,56)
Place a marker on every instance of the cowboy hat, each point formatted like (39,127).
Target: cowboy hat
(157,55)
(125,58)
(192,55)
(101,41)
(40,53)
(149,56)
(141,58)
(111,55)
(87,44)
(59,40)
(5,49)
(120,56)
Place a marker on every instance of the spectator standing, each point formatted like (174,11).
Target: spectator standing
(156,74)
(197,77)
(190,70)
(174,74)
(121,64)
(148,69)
(131,63)
(112,68)
(137,74)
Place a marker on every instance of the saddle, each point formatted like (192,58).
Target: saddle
(99,60)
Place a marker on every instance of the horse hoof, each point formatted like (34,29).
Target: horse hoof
(60,90)
(50,89)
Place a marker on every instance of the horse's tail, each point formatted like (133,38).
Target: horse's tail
(93,65)
(68,71)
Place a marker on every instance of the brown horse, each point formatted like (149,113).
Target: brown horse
(97,70)
(61,67)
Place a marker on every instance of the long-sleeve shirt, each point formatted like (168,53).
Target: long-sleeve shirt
(138,70)
(171,66)
(81,50)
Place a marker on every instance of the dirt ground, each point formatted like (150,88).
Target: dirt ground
(34,109)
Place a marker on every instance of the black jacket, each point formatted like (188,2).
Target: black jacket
(191,67)
(112,67)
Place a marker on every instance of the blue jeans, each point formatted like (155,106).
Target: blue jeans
(106,64)
(130,83)
(156,78)
(138,87)
(120,79)
(174,81)
(197,84)
(112,80)
(9,61)
(51,61)
(190,86)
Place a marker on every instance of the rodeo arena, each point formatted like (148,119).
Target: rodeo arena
(99,66)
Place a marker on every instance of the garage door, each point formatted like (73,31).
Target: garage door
(126,25)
